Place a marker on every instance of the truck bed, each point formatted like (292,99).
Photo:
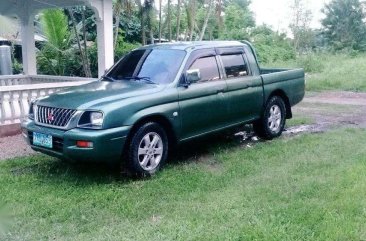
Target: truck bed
(290,81)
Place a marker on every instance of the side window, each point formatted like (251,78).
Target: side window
(234,65)
(208,69)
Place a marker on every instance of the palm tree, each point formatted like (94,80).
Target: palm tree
(53,55)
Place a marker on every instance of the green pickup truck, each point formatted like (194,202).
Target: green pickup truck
(161,95)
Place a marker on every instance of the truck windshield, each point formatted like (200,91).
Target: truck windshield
(156,66)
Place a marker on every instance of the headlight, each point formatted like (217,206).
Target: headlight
(96,118)
(91,119)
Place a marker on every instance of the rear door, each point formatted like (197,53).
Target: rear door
(244,90)
(202,104)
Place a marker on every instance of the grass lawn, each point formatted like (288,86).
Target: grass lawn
(331,72)
(309,187)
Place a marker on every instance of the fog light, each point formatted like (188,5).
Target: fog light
(84,144)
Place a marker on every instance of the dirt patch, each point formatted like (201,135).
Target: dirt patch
(338,98)
(329,110)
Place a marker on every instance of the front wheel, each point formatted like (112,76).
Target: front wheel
(273,119)
(148,149)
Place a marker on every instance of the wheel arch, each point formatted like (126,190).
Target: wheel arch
(285,98)
(159,119)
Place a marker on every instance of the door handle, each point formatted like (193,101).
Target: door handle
(221,90)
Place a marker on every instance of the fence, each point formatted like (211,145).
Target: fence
(16,93)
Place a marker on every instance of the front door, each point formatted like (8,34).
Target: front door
(203,103)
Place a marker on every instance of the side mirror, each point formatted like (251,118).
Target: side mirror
(192,76)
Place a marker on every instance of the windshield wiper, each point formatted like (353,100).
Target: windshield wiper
(138,78)
(108,78)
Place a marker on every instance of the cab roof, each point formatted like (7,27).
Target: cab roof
(194,45)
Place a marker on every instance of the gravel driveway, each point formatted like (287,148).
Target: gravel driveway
(15,146)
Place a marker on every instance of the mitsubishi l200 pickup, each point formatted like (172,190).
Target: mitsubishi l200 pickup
(161,95)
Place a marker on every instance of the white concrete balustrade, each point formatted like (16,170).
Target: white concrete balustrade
(17,92)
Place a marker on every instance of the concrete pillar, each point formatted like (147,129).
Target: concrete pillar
(104,15)
(28,44)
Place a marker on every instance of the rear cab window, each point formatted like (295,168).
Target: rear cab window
(234,65)
(208,68)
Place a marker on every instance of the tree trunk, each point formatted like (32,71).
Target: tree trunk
(208,13)
(151,36)
(219,17)
(178,20)
(192,16)
(117,13)
(169,21)
(85,68)
(160,10)
(142,22)
(86,55)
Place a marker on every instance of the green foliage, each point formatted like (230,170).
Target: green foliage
(271,46)
(340,72)
(336,72)
(56,57)
(90,21)
(17,67)
(237,22)
(123,47)
(54,23)
(130,24)
(303,35)
(344,25)
(310,62)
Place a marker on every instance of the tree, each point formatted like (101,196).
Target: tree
(55,54)
(117,9)
(208,13)
(191,17)
(270,45)
(178,19)
(142,21)
(344,26)
(300,26)
(238,19)
(169,19)
(83,50)
(160,11)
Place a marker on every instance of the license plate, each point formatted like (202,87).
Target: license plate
(40,139)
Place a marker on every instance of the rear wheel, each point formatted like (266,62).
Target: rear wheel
(273,120)
(148,149)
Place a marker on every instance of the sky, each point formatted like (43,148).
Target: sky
(277,13)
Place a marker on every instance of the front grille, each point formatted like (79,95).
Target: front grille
(53,116)
(57,143)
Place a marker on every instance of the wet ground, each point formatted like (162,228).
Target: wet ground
(319,112)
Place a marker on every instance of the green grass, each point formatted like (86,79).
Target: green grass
(331,72)
(311,187)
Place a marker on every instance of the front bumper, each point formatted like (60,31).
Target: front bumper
(108,144)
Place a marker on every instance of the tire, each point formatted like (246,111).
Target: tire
(273,119)
(147,150)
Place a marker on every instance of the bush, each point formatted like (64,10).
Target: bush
(271,46)
(311,63)
(123,47)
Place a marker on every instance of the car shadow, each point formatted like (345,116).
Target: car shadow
(50,169)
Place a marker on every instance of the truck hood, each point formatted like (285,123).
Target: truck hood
(95,94)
